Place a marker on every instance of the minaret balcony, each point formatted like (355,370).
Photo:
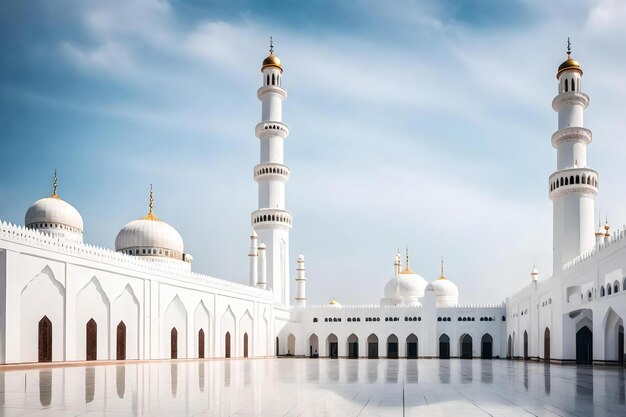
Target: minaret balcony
(268,128)
(271,217)
(575,97)
(271,171)
(580,181)
(271,89)
(571,134)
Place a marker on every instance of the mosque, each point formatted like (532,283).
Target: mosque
(66,300)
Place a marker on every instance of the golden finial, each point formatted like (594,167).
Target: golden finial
(272,45)
(569,48)
(407,270)
(54,186)
(150,215)
(606,226)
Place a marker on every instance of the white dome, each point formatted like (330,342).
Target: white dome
(446,291)
(150,236)
(404,288)
(55,216)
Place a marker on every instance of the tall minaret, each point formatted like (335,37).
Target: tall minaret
(574,185)
(271,221)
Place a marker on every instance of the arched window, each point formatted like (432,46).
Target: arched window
(561,180)
(589,295)
(608,289)
(45,340)
(615,287)
(268,79)
(566,86)
(573,88)
(273,79)
(602,292)
(577,179)
(571,180)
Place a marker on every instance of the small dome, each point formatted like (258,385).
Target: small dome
(569,64)
(446,291)
(55,216)
(271,61)
(151,237)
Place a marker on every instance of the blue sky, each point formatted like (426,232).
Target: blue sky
(424,124)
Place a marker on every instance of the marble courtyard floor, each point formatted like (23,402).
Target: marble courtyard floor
(314,387)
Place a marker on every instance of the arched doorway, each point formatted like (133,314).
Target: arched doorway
(314,346)
(372,346)
(486,346)
(526,345)
(353,346)
(332,345)
(466,346)
(584,346)
(174,343)
(546,345)
(277,347)
(392,346)
(411,346)
(245,345)
(45,340)
(444,347)
(201,343)
(91,351)
(509,349)
(227,345)
(120,351)
(291,345)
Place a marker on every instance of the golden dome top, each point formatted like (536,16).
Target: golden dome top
(54,187)
(442,276)
(569,64)
(271,60)
(407,269)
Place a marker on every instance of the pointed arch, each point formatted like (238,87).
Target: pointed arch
(126,309)
(202,328)
(392,346)
(332,346)
(353,346)
(467,348)
(246,326)
(411,346)
(92,306)
(444,346)
(372,346)
(486,346)
(175,318)
(44,285)
(314,347)
(228,325)
(613,324)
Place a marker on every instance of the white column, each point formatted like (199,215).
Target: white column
(262,283)
(300,282)
(253,260)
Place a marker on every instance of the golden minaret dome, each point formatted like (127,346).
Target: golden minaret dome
(569,64)
(271,60)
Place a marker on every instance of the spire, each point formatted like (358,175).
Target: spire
(606,226)
(407,269)
(150,215)
(272,45)
(54,187)
(442,276)
(569,48)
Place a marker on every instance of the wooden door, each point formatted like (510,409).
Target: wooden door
(201,343)
(174,343)
(45,340)
(91,348)
(245,345)
(121,342)
(227,345)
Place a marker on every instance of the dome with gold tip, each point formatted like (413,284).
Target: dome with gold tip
(406,287)
(150,237)
(570,63)
(55,217)
(271,60)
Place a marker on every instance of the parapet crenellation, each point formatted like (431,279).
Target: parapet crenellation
(615,237)
(41,240)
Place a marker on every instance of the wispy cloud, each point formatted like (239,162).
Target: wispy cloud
(414,123)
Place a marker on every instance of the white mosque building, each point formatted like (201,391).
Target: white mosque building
(66,300)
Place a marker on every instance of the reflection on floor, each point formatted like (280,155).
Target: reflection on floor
(316,387)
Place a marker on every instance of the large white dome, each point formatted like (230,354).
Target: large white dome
(151,237)
(404,288)
(56,217)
